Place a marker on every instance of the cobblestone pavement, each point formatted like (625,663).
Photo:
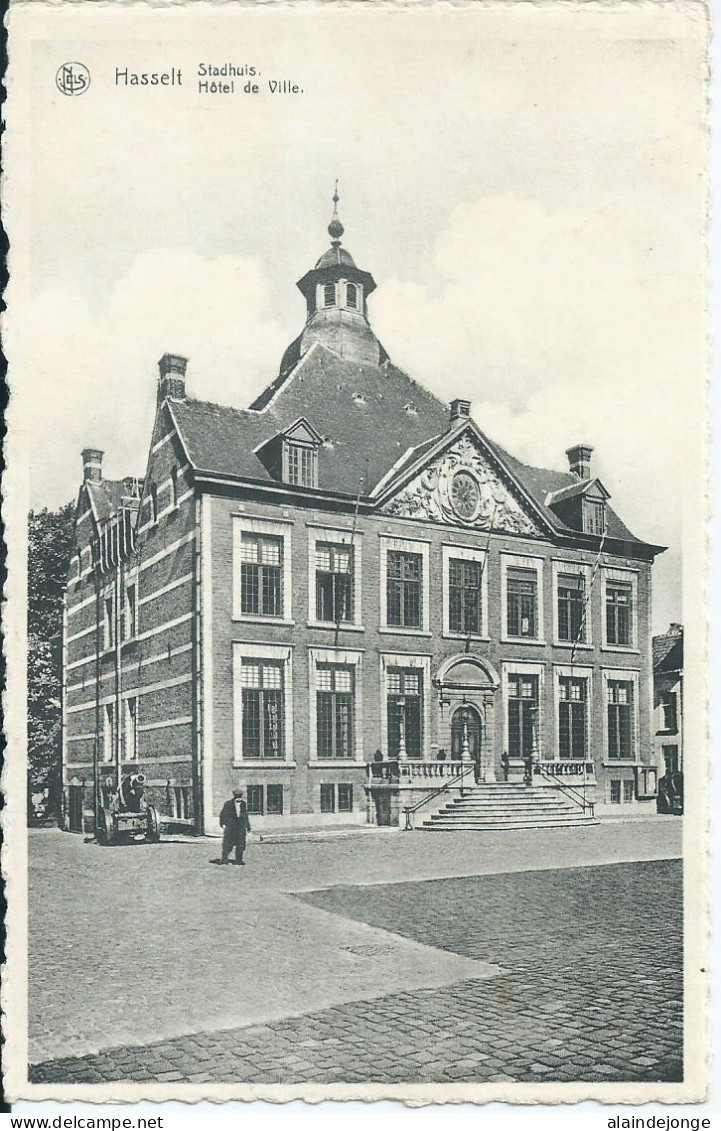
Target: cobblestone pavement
(590,990)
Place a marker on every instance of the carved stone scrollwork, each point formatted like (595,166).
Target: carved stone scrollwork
(461,487)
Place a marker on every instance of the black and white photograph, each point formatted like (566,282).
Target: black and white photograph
(356,505)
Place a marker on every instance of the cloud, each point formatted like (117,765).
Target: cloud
(88,377)
(561,326)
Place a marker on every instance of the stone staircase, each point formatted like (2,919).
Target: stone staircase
(508,805)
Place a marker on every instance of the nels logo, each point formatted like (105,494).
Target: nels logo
(72,78)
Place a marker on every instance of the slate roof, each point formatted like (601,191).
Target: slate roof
(106,496)
(369,418)
(668,651)
(359,410)
(541,482)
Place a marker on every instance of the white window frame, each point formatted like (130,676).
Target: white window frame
(406,546)
(132,580)
(466,554)
(612,573)
(110,625)
(338,537)
(626,675)
(572,671)
(529,667)
(562,567)
(321,304)
(109,724)
(243,524)
(347,657)
(406,660)
(127,719)
(274,653)
(522,561)
(358,293)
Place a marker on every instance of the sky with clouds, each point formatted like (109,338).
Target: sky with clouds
(525,192)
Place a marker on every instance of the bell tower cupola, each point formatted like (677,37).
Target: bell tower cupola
(336,294)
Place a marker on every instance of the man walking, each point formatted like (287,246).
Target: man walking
(235,824)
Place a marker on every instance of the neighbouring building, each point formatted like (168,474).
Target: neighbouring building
(349,566)
(668,714)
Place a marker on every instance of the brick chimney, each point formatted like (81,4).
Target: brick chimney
(172,375)
(460,410)
(579,460)
(92,465)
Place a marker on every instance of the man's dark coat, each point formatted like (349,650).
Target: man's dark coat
(234,827)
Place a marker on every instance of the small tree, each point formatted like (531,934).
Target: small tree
(50,537)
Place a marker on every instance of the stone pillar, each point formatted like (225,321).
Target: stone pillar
(402,752)
(489,762)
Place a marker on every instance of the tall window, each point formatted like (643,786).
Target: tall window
(351,295)
(464,595)
(668,705)
(130,729)
(522,715)
(572,718)
(620,719)
(405,712)
(333,582)
(334,695)
(301,464)
(153,503)
(261,589)
(403,589)
(522,602)
(619,602)
(130,612)
(109,732)
(108,622)
(329,294)
(571,597)
(262,690)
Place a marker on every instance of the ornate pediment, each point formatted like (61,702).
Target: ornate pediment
(461,487)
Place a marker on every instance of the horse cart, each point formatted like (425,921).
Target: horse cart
(126,818)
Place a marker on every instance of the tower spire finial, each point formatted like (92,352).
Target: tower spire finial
(335,228)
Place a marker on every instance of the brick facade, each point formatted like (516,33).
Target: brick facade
(431,487)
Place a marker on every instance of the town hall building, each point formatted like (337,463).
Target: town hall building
(350,601)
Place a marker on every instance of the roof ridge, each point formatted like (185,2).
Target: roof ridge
(215,405)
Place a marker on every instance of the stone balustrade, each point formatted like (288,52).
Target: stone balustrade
(579,771)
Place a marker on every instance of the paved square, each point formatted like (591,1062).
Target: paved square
(570,974)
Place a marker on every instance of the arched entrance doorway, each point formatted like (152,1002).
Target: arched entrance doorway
(467,736)
(467,685)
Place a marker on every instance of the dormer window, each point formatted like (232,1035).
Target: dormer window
(594,516)
(351,296)
(291,456)
(329,294)
(301,464)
